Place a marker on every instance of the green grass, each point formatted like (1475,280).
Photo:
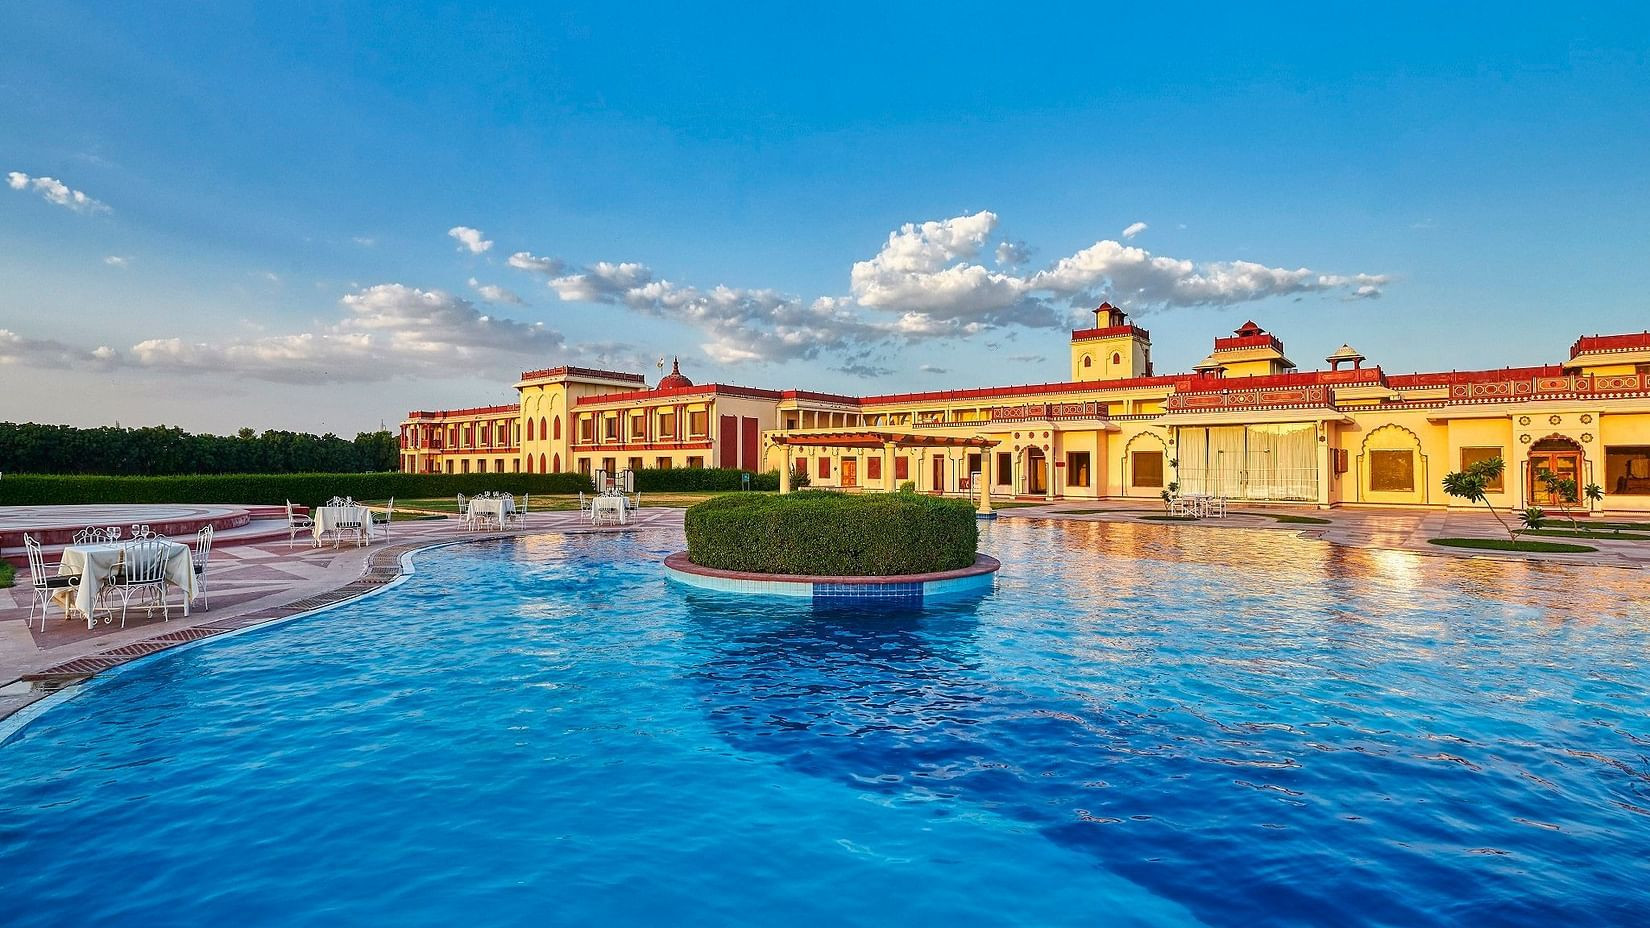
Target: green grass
(8,575)
(1588,532)
(1502,544)
(1628,526)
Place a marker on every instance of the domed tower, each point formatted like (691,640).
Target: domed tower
(1113,349)
(674,378)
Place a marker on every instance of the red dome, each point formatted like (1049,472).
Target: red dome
(674,378)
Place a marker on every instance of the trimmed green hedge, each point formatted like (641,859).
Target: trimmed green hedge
(833,534)
(270,489)
(701,480)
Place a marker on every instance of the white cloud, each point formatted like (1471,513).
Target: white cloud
(1012,254)
(527,261)
(469,238)
(1134,228)
(365,241)
(117,261)
(33,352)
(495,294)
(55,191)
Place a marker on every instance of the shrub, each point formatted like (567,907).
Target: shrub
(909,486)
(8,575)
(832,534)
(800,479)
(271,489)
(701,479)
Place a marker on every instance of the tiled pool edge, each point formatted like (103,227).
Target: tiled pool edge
(911,589)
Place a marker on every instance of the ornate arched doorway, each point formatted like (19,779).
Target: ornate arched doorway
(1036,471)
(1558,456)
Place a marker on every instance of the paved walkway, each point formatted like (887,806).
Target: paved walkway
(1390,529)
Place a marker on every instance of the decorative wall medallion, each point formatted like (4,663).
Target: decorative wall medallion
(1586,437)
(1525,438)
(1586,418)
(1554,420)
(1522,420)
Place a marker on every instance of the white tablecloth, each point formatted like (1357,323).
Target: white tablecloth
(494,507)
(328,518)
(605,509)
(94,563)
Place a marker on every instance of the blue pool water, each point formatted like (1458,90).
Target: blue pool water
(1143,725)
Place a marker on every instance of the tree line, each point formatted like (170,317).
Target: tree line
(31,448)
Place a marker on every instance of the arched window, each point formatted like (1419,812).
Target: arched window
(543,431)
(1088,361)
(541,463)
(557,427)
(557,462)
(1116,359)
(529,459)
(529,429)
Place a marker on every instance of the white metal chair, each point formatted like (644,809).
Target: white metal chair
(197,560)
(45,585)
(1215,506)
(142,571)
(389,516)
(296,523)
(464,516)
(586,512)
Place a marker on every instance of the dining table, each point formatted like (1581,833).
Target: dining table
(605,510)
(94,564)
(338,519)
(492,507)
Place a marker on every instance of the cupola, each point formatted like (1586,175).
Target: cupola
(1345,354)
(674,378)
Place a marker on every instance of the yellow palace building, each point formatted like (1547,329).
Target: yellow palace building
(1245,423)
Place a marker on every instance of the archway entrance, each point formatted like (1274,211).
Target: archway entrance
(1559,456)
(1036,472)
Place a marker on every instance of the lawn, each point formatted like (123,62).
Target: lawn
(1502,544)
(1589,531)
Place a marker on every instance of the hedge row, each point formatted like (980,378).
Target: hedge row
(835,534)
(271,489)
(701,480)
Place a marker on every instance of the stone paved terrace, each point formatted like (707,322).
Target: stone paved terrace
(263,581)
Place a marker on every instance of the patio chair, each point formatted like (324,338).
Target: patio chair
(519,516)
(389,516)
(197,560)
(296,523)
(1216,507)
(142,572)
(585,503)
(45,585)
(464,517)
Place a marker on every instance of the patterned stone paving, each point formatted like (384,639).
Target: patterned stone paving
(247,585)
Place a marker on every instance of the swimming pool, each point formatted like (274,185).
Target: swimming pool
(1143,725)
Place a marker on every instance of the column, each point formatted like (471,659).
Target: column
(986,456)
(889,483)
(784,468)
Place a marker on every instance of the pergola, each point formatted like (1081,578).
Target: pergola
(889,442)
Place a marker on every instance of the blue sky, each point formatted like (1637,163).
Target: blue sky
(270,191)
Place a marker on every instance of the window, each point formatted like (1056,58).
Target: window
(667,424)
(556,424)
(1088,361)
(1627,470)
(529,429)
(449,467)
(1471,456)
(1077,468)
(498,465)
(638,427)
(466,465)
(1116,359)
(662,463)
(1146,469)
(696,462)
(973,465)
(1392,471)
(1005,468)
(635,464)
(873,467)
(610,427)
(698,423)
(902,468)
(584,466)
(824,467)
(584,428)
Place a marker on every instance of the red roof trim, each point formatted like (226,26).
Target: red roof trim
(582,371)
(1630,341)
(1450,378)
(715,389)
(1234,342)
(473,411)
(1110,331)
(1035,389)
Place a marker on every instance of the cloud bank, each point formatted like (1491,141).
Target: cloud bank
(55,191)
